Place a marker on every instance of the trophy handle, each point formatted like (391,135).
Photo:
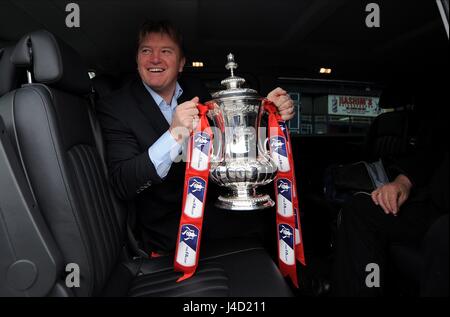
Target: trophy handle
(217,131)
(263,138)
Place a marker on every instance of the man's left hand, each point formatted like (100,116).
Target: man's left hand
(391,196)
(283,102)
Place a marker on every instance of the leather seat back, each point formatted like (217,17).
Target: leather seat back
(30,261)
(52,123)
(393,134)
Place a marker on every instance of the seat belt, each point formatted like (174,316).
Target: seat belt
(131,211)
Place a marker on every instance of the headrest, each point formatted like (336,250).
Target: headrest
(53,62)
(9,74)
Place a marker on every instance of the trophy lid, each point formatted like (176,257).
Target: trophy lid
(233,84)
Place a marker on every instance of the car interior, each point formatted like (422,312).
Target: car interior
(58,59)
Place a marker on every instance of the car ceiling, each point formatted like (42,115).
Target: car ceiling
(291,38)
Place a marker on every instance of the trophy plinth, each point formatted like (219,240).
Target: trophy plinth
(240,161)
(244,199)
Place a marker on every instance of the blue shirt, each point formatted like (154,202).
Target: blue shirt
(164,151)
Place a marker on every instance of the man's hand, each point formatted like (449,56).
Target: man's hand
(283,102)
(391,196)
(184,120)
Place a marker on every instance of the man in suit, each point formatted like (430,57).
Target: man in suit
(399,212)
(144,126)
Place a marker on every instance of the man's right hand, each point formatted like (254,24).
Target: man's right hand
(184,120)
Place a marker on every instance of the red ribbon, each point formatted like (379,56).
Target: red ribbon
(290,243)
(194,197)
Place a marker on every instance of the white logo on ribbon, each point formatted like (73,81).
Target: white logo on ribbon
(201,140)
(285,245)
(276,144)
(200,154)
(188,234)
(187,248)
(283,187)
(285,232)
(279,153)
(284,198)
(196,186)
(194,200)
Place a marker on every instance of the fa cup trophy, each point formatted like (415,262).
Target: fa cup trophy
(240,161)
(241,158)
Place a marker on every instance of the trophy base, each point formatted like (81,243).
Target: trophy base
(257,202)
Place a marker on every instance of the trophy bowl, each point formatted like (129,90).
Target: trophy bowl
(240,160)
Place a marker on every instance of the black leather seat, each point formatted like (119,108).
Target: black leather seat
(52,126)
(394,133)
(30,261)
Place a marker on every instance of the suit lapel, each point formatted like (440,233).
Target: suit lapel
(149,107)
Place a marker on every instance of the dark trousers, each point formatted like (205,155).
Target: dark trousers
(434,279)
(363,236)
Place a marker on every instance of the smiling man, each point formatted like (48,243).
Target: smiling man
(144,126)
(159,61)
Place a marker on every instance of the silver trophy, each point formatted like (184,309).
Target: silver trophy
(240,161)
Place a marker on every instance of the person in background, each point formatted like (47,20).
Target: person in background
(399,212)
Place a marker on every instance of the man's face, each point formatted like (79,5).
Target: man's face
(159,61)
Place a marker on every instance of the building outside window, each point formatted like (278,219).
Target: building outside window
(327,108)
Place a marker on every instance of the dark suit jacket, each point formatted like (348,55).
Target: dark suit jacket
(131,122)
(427,168)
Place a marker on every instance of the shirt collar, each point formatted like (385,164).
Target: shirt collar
(159,100)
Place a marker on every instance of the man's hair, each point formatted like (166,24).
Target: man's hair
(162,27)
